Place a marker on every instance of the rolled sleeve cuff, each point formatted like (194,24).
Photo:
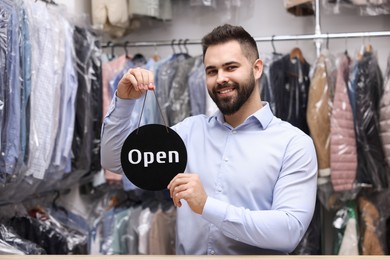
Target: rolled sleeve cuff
(214,211)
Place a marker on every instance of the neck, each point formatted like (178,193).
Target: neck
(251,106)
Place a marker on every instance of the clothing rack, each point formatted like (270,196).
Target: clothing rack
(185,42)
(317,37)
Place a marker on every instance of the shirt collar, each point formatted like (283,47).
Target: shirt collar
(264,116)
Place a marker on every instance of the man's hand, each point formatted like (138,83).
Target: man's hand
(188,187)
(134,83)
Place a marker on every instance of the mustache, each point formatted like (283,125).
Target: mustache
(225,85)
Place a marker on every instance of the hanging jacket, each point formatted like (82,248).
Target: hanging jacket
(86,144)
(343,158)
(318,112)
(179,100)
(384,114)
(290,83)
(372,167)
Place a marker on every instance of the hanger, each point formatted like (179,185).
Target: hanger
(126,51)
(346,47)
(110,44)
(156,56)
(182,53)
(172,46)
(369,47)
(364,49)
(346,51)
(179,44)
(185,46)
(273,46)
(327,41)
(297,53)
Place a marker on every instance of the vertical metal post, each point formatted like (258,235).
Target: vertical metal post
(318,40)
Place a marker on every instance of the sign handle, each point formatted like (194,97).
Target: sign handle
(159,107)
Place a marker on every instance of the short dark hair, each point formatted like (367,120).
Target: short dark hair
(226,33)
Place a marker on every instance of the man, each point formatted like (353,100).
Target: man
(250,182)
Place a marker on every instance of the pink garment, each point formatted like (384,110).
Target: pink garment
(343,156)
(384,118)
(109,71)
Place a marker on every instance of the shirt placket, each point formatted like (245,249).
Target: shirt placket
(219,187)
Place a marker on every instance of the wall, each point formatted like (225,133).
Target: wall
(260,18)
(264,18)
(76,7)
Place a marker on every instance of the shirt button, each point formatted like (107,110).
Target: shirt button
(226,159)
(234,132)
(212,252)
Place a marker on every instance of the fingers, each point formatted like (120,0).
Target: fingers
(134,83)
(188,187)
(178,193)
(176,182)
(141,79)
(176,187)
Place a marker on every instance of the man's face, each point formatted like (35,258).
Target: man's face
(229,76)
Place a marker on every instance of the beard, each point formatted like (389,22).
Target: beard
(230,105)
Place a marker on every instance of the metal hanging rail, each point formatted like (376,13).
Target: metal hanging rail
(323,36)
(257,39)
(318,37)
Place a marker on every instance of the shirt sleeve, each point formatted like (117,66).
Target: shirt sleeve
(283,225)
(116,127)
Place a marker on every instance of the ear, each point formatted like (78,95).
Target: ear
(258,69)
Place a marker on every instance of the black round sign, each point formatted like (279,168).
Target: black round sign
(152,155)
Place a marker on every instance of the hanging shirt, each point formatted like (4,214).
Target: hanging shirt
(26,53)
(61,158)
(197,87)
(261,178)
(48,58)
(10,85)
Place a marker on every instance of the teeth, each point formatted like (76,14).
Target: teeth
(226,91)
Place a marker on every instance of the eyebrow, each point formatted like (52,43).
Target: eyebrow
(223,65)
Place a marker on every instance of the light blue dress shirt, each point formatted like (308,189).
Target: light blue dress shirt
(260,178)
(10,106)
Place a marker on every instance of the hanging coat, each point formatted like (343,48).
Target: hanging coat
(290,83)
(372,167)
(384,114)
(343,158)
(318,112)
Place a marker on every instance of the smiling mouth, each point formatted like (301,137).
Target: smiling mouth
(225,90)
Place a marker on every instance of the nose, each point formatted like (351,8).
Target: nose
(221,77)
